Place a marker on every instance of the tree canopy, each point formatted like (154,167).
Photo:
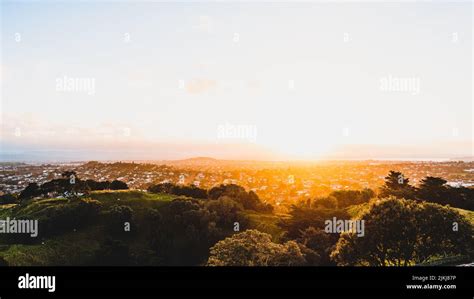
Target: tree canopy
(254,248)
(405,232)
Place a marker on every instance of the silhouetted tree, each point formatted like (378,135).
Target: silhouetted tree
(32,190)
(396,184)
(8,199)
(435,189)
(118,185)
(320,242)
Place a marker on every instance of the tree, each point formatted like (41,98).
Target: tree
(71,215)
(303,217)
(113,253)
(397,185)
(8,199)
(118,185)
(434,189)
(187,231)
(405,232)
(320,242)
(189,191)
(347,198)
(116,217)
(226,211)
(328,202)
(32,190)
(161,188)
(67,174)
(249,200)
(254,248)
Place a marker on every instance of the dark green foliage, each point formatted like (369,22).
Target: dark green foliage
(347,198)
(254,248)
(32,190)
(187,228)
(320,243)
(8,199)
(73,215)
(113,253)
(434,189)
(118,185)
(226,212)
(189,191)
(303,217)
(431,189)
(397,185)
(95,185)
(249,200)
(161,188)
(116,217)
(403,232)
(66,186)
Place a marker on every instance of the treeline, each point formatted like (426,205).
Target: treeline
(431,189)
(169,188)
(69,184)
(398,232)
(248,200)
(175,233)
(404,225)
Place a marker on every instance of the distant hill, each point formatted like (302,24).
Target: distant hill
(464,159)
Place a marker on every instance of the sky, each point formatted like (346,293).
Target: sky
(138,80)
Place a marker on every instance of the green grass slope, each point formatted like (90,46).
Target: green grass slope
(73,247)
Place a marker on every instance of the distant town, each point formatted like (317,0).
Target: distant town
(278,183)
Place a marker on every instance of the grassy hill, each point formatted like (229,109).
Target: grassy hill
(79,238)
(74,246)
(468,214)
(75,231)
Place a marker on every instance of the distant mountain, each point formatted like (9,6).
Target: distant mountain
(194,161)
(199,159)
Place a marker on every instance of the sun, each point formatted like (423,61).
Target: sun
(299,145)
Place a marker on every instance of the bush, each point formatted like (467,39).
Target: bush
(74,214)
(320,242)
(226,211)
(405,232)
(118,185)
(113,253)
(189,191)
(254,248)
(188,230)
(249,200)
(116,216)
(8,199)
